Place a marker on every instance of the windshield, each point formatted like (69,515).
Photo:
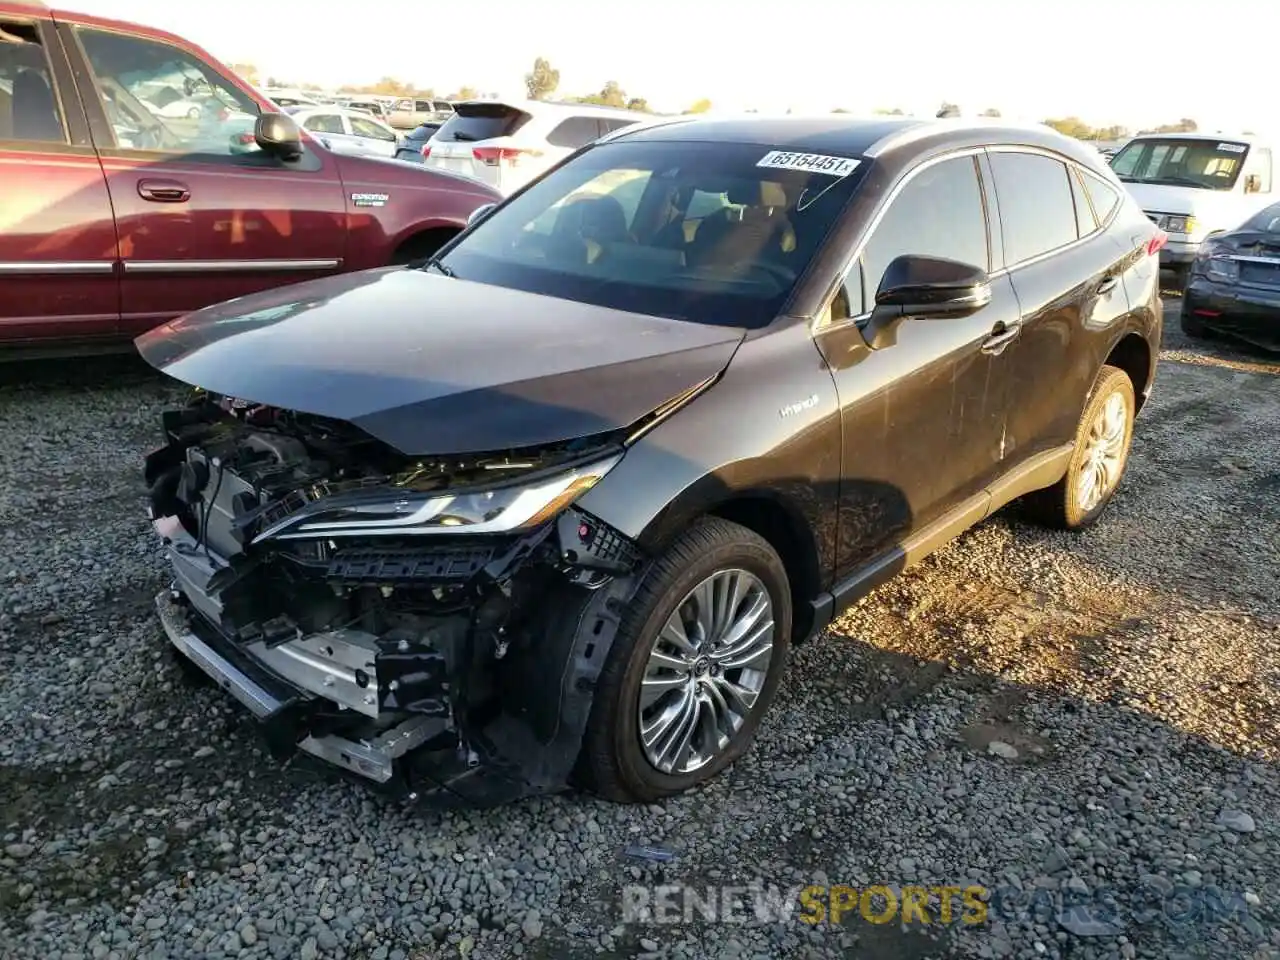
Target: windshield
(1266,220)
(1204,164)
(710,232)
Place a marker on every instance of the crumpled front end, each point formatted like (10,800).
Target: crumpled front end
(433,628)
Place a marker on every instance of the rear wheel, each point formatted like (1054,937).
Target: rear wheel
(1098,461)
(695,665)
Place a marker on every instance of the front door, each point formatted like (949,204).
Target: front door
(202,214)
(57,238)
(922,417)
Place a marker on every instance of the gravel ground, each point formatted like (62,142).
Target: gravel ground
(1044,716)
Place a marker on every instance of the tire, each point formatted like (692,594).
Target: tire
(193,113)
(614,763)
(1064,504)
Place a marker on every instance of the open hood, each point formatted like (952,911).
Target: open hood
(435,365)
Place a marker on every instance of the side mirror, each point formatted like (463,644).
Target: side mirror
(278,134)
(930,287)
(1253,183)
(479,213)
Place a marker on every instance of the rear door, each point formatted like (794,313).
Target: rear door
(57,236)
(202,215)
(1068,274)
(374,139)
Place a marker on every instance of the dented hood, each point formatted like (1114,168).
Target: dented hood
(435,365)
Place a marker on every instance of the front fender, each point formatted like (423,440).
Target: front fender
(769,429)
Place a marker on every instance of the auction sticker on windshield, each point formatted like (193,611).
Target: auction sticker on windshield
(812,162)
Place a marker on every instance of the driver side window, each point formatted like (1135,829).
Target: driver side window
(160,98)
(939,213)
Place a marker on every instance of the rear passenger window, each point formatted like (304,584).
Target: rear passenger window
(1101,195)
(574,132)
(28,107)
(939,213)
(1037,210)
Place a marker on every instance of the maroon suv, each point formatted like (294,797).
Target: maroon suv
(141,179)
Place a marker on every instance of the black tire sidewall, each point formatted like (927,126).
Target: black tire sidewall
(748,552)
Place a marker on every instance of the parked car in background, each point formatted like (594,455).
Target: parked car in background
(291,98)
(508,143)
(1192,184)
(375,108)
(114,217)
(1233,286)
(559,511)
(411,145)
(346,131)
(408,113)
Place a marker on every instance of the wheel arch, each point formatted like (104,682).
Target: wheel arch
(1132,354)
(423,241)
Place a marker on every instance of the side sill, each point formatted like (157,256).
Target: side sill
(1037,472)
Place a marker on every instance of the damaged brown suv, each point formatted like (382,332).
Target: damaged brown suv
(550,507)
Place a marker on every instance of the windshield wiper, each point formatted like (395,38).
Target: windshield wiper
(1175,181)
(435,262)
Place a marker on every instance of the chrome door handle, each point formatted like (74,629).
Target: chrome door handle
(1001,337)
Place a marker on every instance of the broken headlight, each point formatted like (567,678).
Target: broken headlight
(499,509)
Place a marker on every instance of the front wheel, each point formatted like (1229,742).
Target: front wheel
(694,666)
(1098,461)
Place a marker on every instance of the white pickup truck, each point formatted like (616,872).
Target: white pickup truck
(1194,184)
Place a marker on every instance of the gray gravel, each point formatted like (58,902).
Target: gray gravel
(1043,715)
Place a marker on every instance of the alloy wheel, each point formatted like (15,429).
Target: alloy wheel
(1104,453)
(705,671)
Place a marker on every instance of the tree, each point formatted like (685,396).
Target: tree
(700,106)
(1071,127)
(1185,125)
(895,112)
(948,110)
(464,93)
(610,95)
(991,112)
(246,72)
(639,104)
(542,80)
(839,110)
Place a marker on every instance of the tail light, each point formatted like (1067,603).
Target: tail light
(224,115)
(492,156)
(244,139)
(1158,240)
(426,150)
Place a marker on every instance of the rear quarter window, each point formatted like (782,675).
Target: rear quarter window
(482,121)
(1101,194)
(574,132)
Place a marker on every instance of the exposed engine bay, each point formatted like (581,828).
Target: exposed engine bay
(431,626)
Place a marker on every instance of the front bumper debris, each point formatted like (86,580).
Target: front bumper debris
(450,667)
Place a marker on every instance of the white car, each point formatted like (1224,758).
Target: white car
(506,143)
(348,131)
(1195,184)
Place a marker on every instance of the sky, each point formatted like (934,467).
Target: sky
(1131,62)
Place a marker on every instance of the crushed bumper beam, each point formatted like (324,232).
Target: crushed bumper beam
(373,759)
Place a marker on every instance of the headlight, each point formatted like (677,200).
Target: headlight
(1180,224)
(505,509)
